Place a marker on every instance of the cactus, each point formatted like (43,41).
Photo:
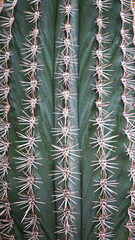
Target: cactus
(67,118)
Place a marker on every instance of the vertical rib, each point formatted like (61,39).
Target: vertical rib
(6,220)
(27,144)
(104,139)
(128,100)
(65,151)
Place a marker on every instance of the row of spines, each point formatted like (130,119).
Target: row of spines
(104,140)
(28,161)
(65,150)
(127,63)
(7,21)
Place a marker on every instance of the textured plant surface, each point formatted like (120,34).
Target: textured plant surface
(67,119)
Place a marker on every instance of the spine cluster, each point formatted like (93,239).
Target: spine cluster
(127,63)
(104,138)
(6,220)
(65,151)
(27,145)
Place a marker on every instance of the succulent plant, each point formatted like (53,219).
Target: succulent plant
(67,119)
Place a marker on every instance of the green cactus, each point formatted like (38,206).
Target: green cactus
(67,119)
